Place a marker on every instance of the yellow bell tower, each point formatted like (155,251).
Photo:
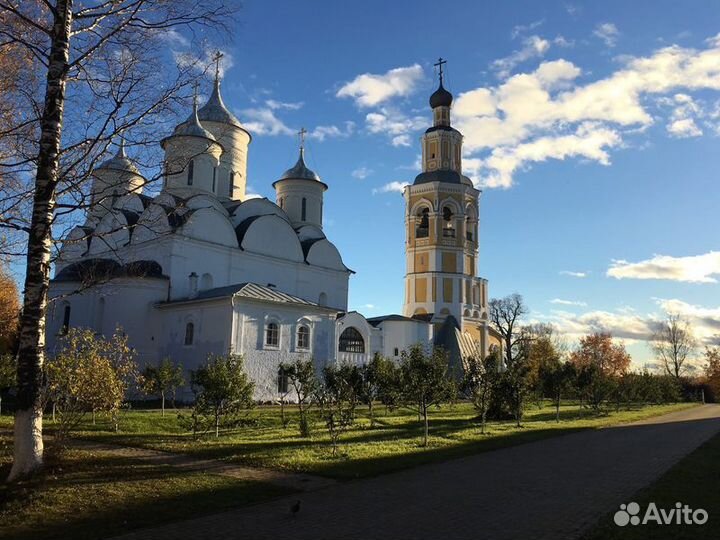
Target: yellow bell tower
(441,221)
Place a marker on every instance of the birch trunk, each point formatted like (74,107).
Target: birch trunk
(28,443)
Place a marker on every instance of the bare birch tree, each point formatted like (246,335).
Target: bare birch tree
(505,316)
(673,342)
(98,69)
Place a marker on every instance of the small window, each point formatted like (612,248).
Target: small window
(322,299)
(66,320)
(272,335)
(189,333)
(396,352)
(231,186)
(304,209)
(303,337)
(447,213)
(191,172)
(282,203)
(282,381)
(214,178)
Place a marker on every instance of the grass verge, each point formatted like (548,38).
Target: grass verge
(86,495)
(392,444)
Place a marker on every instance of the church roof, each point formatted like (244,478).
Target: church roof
(442,175)
(191,127)
(300,171)
(249,290)
(441,97)
(120,161)
(376,321)
(99,270)
(216,111)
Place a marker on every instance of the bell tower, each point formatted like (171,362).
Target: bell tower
(441,222)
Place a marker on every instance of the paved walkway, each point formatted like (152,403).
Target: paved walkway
(554,489)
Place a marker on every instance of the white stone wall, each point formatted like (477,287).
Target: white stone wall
(262,361)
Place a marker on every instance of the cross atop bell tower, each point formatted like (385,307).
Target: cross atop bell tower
(439,64)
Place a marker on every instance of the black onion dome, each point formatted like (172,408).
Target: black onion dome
(441,97)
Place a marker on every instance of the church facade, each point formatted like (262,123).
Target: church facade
(199,268)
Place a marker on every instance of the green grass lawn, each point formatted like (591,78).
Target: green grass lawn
(394,443)
(90,494)
(93,494)
(694,481)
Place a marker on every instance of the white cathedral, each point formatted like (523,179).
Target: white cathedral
(202,269)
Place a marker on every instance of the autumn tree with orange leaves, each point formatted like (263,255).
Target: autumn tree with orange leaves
(599,363)
(599,350)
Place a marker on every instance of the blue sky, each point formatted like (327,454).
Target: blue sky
(591,127)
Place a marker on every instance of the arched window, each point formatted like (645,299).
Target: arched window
(214,179)
(189,333)
(282,381)
(468,229)
(272,335)
(448,229)
(423,228)
(191,172)
(231,186)
(351,341)
(304,209)
(282,203)
(66,320)
(303,337)
(322,299)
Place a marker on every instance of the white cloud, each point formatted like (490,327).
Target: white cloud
(621,325)
(607,32)
(202,61)
(692,269)
(262,121)
(684,128)
(704,321)
(548,114)
(567,302)
(361,173)
(322,132)
(391,187)
(173,37)
(369,89)
(573,274)
(291,106)
(522,29)
(401,140)
(682,120)
(533,46)
(393,122)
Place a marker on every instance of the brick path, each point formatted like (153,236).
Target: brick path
(554,489)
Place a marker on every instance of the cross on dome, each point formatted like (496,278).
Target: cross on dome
(216,58)
(439,64)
